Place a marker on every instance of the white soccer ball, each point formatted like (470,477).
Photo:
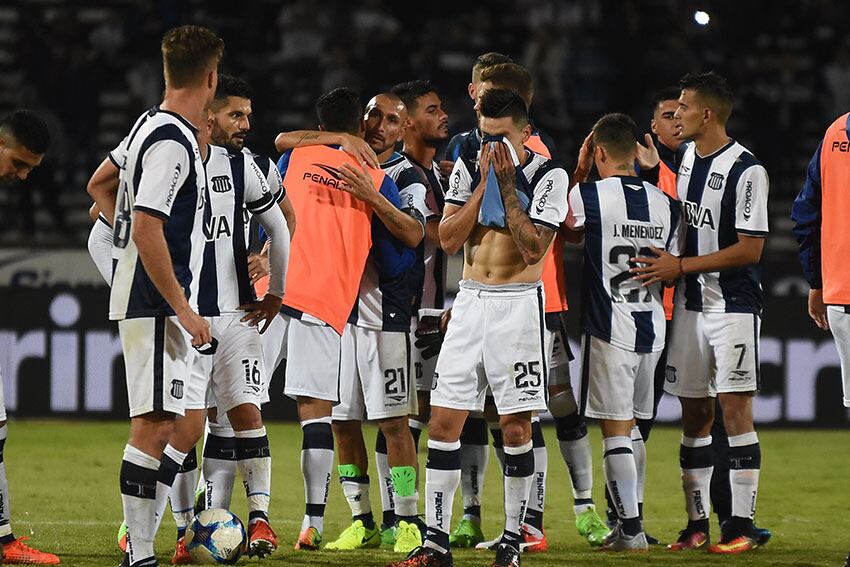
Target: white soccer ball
(215,536)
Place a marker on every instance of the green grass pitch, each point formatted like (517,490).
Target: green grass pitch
(64,494)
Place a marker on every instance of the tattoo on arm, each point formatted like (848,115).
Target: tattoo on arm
(525,233)
(308,136)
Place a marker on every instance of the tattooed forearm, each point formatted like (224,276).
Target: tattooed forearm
(308,136)
(525,234)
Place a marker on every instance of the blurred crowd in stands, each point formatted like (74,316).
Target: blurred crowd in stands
(92,66)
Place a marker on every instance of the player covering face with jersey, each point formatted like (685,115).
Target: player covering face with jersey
(495,336)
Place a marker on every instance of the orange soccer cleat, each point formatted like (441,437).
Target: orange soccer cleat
(19,552)
(181,555)
(309,539)
(262,540)
(736,545)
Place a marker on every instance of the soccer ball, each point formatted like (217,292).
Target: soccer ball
(215,536)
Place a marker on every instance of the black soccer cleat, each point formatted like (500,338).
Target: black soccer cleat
(425,557)
(761,535)
(506,556)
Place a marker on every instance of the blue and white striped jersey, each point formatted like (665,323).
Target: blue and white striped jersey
(237,189)
(428,281)
(384,302)
(723,194)
(623,217)
(548,183)
(161,175)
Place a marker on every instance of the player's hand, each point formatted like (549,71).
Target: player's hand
(265,310)
(446,167)
(484,160)
(357,182)
(362,151)
(817,309)
(258,267)
(585,160)
(663,267)
(196,326)
(503,165)
(647,156)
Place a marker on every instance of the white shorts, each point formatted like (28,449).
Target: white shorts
(311,351)
(157,358)
(711,353)
(839,324)
(559,357)
(272,341)
(100,248)
(2,398)
(496,338)
(375,379)
(616,383)
(235,374)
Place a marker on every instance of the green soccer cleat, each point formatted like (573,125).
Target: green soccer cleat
(388,535)
(356,536)
(122,537)
(591,527)
(407,537)
(466,534)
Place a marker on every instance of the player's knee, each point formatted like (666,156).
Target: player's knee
(395,427)
(150,433)
(245,417)
(346,431)
(311,408)
(562,403)
(442,426)
(515,431)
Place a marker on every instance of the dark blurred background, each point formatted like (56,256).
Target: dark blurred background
(92,67)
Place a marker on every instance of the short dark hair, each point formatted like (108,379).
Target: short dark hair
(411,91)
(488,60)
(617,133)
(499,103)
(667,93)
(27,129)
(188,52)
(340,110)
(712,90)
(228,85)
(510,76)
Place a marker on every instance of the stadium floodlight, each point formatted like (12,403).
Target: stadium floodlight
(702,18)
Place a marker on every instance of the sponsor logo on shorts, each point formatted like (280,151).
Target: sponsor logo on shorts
(739,376)
(177,389)
(529,395)
(670,374)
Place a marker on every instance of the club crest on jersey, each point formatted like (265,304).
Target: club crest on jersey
(715,181)
(698,217)
(221,184)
